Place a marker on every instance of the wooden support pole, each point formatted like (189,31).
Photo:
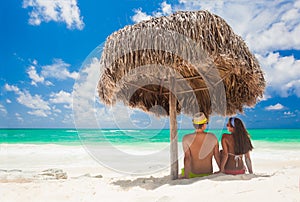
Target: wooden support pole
(173,130)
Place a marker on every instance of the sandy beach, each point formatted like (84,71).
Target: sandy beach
(48,172)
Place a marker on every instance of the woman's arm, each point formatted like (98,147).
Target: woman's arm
(224,154)
(248,162)
(217,155)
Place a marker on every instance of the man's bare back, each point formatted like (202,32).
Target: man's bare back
(201,147)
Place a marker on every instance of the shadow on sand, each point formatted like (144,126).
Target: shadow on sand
(152,183)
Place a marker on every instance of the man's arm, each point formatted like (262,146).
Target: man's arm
(224,154)
(217,155)
(187,157)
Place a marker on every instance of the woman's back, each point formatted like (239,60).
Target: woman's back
(234,162)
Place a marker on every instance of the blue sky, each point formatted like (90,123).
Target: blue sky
(45,45)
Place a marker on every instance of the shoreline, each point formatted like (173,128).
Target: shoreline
(285,143)
(74,137)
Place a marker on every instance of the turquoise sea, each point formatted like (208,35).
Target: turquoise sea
(77,137)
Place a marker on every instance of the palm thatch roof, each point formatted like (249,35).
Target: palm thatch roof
(213,68)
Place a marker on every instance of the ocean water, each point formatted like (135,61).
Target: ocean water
(76,137)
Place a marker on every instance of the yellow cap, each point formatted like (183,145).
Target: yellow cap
(200,118)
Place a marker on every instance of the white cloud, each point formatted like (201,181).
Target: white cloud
(62,97)
(66,11)
(40,113)
(58,70)
(87,110)
(8,101)
(84,93)
(68,106)
(11,88)
(166,8)
(68,119)
(278,106)
(265,97)
(48,83)
(116,116)
(140,16)
(39,106)
(281,30)
(34,76)
(54,109)
(282,74)
(33,102)
(289,114)
(3,110)
(121,116)
(19,117)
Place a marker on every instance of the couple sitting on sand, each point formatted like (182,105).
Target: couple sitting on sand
(199,148)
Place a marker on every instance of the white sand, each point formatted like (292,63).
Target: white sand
(69,173)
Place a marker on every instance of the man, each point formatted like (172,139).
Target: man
(199,148)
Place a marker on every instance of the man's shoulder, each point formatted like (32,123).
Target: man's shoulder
(188,136)
(211,135)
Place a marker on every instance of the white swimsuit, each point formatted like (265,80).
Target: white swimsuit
(236,158)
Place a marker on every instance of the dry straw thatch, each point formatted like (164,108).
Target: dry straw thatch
(198,48)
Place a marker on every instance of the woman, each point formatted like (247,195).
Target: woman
(235,146)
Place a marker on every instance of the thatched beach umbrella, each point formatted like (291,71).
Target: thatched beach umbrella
(186,62)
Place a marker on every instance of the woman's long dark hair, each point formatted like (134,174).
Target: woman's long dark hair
(242,142)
